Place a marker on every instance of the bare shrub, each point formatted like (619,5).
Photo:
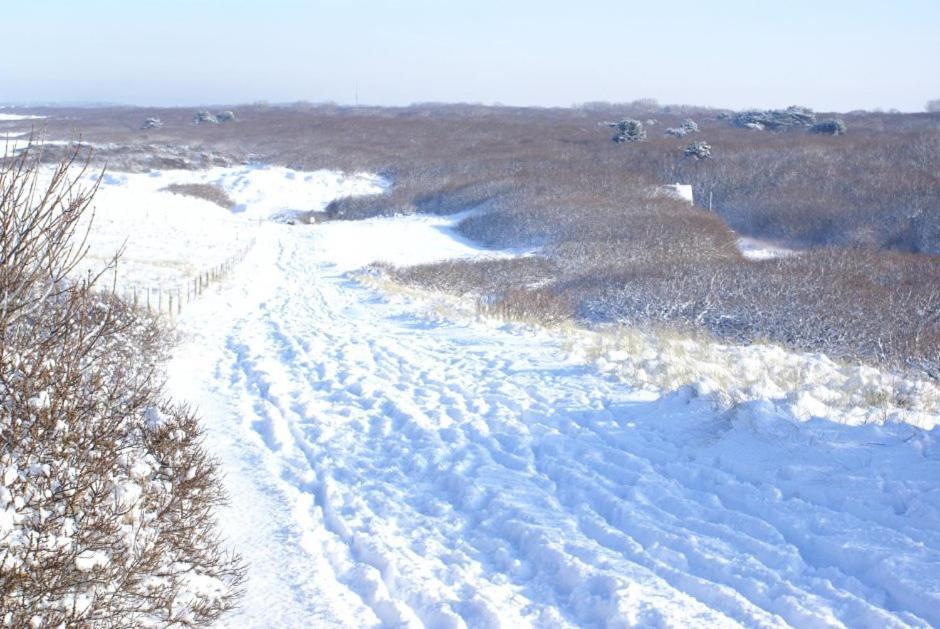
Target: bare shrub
(204,191)
(107,497)
(476,276)
(832,126)
(540,305)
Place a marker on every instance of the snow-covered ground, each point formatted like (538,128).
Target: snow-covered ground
(756,249)
(18,117)
(389,467)
(168,238)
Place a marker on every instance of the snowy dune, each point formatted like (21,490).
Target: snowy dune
(796,387)
(391,468)
(168,238)
(401,240)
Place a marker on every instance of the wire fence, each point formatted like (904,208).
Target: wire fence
(171,300)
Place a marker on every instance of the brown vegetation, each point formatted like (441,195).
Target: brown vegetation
(107,498)
(204,191)
(610,252)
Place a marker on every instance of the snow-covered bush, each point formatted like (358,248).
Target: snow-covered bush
(204,117)
(775,119)
(107,498)
(688,126)
(832,126)
(225,116)
(628,130)
(699,150)
(152,123)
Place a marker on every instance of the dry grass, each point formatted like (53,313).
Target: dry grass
(204,191)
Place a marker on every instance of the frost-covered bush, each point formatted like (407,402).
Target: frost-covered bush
(698,150)
(204,117)
(225,116)
(106,496)
(775,119)
(832,126)
(628,130)
(152,123)
(688,126)
(933,106)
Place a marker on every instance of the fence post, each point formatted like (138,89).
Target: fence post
(170,296)
(159,300)
(148,299)
(179,300)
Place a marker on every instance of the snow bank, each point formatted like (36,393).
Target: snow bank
(801,386)
(14,117)
(274,191)
(398,240)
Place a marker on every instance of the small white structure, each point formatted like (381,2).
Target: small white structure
(680,191)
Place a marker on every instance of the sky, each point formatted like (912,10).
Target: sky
(830,55)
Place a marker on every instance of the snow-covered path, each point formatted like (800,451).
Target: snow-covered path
(389,469)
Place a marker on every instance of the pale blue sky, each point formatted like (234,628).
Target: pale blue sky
(826,54)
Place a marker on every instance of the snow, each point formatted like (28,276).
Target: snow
(272,191)
(12,143)
(89,560)
(392,466)
(803,386)
(402,240)
(14,117)
(755,249)
(170,238)
(679,191)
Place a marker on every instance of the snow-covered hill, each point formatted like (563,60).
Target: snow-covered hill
(391,468)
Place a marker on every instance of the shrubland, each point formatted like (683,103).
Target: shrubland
(863,207)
